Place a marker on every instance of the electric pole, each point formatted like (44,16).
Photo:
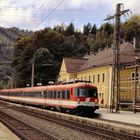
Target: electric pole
(115,90)
(135,84)
(33,71)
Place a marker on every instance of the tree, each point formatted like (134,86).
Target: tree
(131,28)
(43,61)
(70,30)
(59,28)
(106,29)
(23,51)
(94,29)
(87,29)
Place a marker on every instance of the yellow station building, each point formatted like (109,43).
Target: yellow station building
(97,68)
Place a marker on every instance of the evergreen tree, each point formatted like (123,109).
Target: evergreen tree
(87,29)
(70,30)
(108,29)
(94,29)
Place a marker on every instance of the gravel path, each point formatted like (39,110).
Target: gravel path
(61,132)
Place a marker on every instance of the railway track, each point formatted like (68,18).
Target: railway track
(88,129)
(23,130)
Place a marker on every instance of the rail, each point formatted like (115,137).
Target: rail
(90,129)
(23,130)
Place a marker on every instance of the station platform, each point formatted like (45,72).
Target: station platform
(6,134)
(121,116)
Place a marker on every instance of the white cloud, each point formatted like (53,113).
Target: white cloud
(27,13)
(4,3)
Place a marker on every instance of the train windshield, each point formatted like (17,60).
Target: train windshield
(86,92)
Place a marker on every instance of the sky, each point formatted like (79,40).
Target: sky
(38,14)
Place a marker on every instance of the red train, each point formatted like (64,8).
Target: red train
(73,98)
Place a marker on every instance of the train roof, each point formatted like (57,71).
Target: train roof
(71,85)
(37,89)
(43,88)
(11,90)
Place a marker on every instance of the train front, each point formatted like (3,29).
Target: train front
(86,98)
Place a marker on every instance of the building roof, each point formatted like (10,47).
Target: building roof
(105,57)
(102,58)
(73,65)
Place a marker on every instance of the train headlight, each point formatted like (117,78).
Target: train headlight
(96,101)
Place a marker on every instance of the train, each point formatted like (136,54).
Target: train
(75,98)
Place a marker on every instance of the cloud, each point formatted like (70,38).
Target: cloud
(29,14)
(4,3)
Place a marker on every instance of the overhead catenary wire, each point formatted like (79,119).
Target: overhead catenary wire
(53,10)
(126,1)
(40,7)
(136,8)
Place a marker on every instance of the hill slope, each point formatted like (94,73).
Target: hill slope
(8,37)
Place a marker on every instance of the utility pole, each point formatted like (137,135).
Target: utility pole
(135,84)
(33,73)
(115,90)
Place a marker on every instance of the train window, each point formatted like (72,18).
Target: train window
(75,91)
(45,94)
(54,93)
(13,94)
(28,94)
(34,94)
(4,94)
(49,94)
(18,94)
(89,92)
(82,92)
(40,94)
(59,94)
(92,93)
(63,94)
(68,94)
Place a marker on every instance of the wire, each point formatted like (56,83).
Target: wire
(125,1)
(39,8)
(53,10)
(136,9)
